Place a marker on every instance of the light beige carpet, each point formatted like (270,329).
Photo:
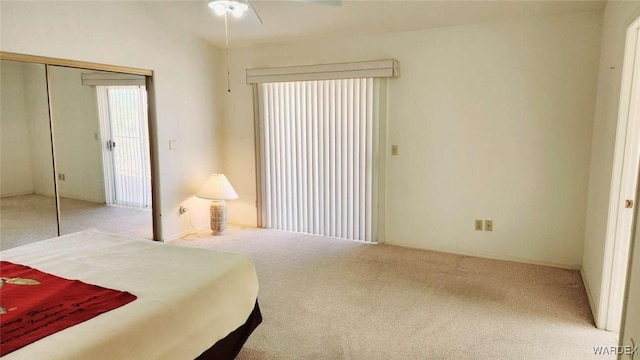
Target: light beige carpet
(324,298)
(28,218)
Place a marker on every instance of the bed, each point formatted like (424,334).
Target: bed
(189,303)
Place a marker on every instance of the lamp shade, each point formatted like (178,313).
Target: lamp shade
(217,187)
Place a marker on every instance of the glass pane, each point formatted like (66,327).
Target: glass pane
(91,152)
(27,202)
(125,112)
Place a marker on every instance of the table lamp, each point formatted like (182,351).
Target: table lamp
(217,189)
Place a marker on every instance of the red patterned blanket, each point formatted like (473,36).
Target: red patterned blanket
(34,304)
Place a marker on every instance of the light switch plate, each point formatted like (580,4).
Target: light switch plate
(173,144)
(488,225)
(394,150)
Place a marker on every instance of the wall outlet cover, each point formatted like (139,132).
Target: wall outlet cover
(479,225)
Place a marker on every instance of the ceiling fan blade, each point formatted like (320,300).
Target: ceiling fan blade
(255,11)
(326,2)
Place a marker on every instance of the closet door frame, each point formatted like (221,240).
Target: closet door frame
(148,74)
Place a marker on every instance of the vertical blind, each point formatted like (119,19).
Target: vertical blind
(125,139)
(316,163)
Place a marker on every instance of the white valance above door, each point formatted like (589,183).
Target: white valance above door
(351,70)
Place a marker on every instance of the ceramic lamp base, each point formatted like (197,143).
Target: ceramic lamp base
(218,212)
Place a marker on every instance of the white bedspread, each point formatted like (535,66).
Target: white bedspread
(187,298)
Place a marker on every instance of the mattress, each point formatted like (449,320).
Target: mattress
(187,298)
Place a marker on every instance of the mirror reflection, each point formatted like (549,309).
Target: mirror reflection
(100,151)
(101,144)
(27,193)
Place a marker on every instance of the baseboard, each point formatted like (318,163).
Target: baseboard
(17,194)
(96,201)
(188,232)
(484,256)
(41,193)
(587,289)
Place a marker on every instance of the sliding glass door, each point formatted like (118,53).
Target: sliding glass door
(101,143)
(318,157)
(123,128)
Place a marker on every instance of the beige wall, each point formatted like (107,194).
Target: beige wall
(15,152)
(617,17)
(35,88)
(493,121)
(26,138)
(186,69)
(76,128)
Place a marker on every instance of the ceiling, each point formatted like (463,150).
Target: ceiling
(300,19)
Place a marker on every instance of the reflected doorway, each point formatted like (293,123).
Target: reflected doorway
(101,143)
(125,151)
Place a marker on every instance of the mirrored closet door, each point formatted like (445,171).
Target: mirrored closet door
(27,189)
(75,153)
